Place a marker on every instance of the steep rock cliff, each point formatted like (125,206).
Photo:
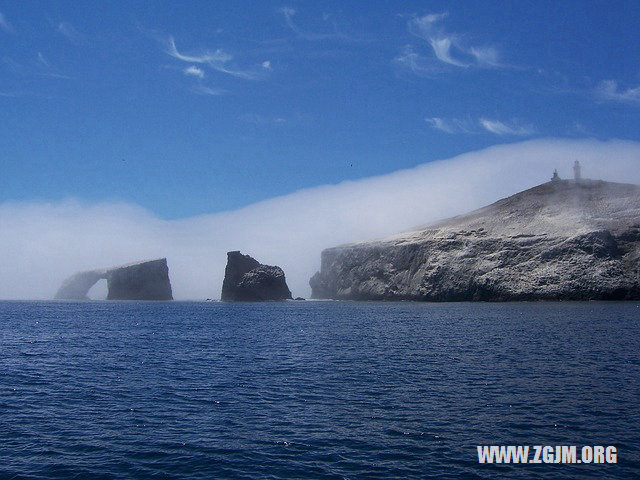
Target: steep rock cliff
(140,281)
(573,240)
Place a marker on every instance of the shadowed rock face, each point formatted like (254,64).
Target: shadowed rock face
(562,240)
(247,280)
(140,281)
(136,281)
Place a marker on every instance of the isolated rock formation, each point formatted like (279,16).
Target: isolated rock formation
(562,240)
(247,280)
(147,280)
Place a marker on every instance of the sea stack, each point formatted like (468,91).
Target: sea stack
(563,240)
(247,280)
(144,280)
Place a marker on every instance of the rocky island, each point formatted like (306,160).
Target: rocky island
(146,280)
(247,280)
(562,240)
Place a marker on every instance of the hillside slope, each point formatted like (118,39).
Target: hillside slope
(573,240)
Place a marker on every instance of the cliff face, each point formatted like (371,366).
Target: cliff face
(247,280)
(560,240)
(140,281)
(136,281)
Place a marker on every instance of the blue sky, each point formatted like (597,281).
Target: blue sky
(188,108)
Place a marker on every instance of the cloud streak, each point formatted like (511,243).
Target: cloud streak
(453,125)
(500,128)
(194,71)
(288,14)
(218,57)
(417,64)
(220,61)
(204,90)
(260,120)
(69,31)
(41,243)
(482,125)
(448,49)
(46,69)
(609,90)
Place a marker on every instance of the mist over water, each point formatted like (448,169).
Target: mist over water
(43,243)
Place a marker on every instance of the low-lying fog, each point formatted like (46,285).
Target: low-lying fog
(43,243)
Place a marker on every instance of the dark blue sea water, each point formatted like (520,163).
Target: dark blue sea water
(313,389)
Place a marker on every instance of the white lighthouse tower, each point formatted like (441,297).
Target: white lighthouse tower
(577,175)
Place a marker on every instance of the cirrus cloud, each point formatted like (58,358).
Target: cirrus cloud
(194,71)
(481,125)
(610,91)
(219,60)
(448,49)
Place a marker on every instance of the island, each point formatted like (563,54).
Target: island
(575,239)
(143,280)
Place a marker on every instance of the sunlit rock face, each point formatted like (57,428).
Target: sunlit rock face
(562,240)
(148,280)
(247,280)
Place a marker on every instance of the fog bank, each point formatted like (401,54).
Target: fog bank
(43,243)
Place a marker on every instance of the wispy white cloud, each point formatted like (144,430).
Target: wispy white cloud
(218,57)
(486,56)
(448,49)
(288,14)
(609,90)
(45,68)
(42,61)
(219,60)
(481,125)
(39,65)
(56,75)
(453,125)
(68,30)
(500,128)
(204,90)
(5,25)
(257,119)
(41,243)
(194,71)
(442,50)
(417,64)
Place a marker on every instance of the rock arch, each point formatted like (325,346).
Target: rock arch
(146,280)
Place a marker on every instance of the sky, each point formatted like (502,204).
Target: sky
(148,128)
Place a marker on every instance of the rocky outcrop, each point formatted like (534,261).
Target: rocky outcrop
(140,281)
(247,280)
(148,280)
(562,240)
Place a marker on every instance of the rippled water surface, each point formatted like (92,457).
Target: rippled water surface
(313,389)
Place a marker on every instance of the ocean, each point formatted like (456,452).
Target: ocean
(304,390)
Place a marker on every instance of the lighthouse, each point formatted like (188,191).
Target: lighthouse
(576,171)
